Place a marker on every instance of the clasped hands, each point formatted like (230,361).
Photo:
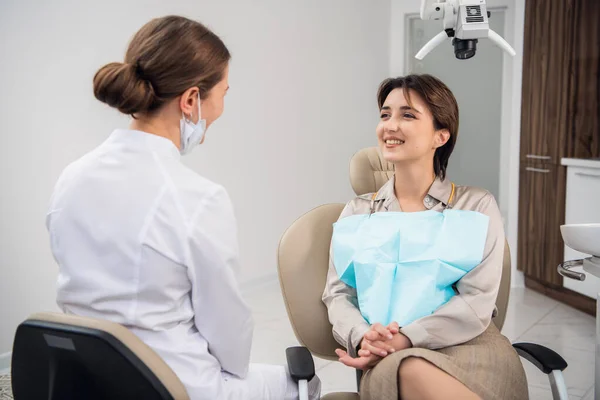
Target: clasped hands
(377,343)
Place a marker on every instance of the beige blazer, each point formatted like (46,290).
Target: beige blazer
(467,314)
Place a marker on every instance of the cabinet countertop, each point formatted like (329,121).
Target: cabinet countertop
(581,162)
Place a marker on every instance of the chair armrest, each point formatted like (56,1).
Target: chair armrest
(545,359)
(300,363)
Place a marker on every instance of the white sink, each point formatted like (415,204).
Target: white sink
(584,238)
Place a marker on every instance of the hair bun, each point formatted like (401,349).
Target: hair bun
(119,86)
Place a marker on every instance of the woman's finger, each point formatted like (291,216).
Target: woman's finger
(362,362)
(364,353)
(370,344)
(394,328)
(382,330)
(372,335)
(358,363)
(340,353)
(381,352)
(382,345)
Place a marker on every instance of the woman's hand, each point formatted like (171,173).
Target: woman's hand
(400,342)
(362,362)
(376,344)
(378,340)
(366,359)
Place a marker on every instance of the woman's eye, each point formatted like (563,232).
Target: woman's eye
(385,115)
(407,115)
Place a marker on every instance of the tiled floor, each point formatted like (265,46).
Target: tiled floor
(531,317)
(5,393)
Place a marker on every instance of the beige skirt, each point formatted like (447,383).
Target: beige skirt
(488,365)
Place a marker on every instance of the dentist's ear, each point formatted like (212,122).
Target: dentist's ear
(441,137)
(189,102)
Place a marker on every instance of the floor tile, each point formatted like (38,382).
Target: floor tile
(589,395)
(266,303)
(336,377)
(271,339)
(5,390)
(538,393)
(571,334)
(525,308)
(566,327)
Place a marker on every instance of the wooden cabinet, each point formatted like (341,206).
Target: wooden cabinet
(541,210)
(546,59)
(560,117)
(584,83)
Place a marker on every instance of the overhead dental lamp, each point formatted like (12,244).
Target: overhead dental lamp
(465,21)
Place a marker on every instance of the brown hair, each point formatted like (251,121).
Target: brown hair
(166,57)
(441,104)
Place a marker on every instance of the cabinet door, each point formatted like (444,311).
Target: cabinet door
(555,202)
(541,212)
(584,84)
(546,57)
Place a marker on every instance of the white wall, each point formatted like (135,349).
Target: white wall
(303,80)
(511,104)
(477,85)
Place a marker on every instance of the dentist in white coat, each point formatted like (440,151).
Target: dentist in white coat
(146,242)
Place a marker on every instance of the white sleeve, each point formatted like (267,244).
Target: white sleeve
(221,315)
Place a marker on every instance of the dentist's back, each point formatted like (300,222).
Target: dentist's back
(144,241)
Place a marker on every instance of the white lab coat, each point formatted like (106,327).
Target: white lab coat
(144,241)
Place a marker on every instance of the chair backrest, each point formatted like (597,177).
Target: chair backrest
(59,356)
(303,260)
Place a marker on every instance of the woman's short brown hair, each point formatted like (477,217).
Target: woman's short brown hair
(166,57)
(441,104)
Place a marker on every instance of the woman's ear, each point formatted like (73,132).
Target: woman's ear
(441,137)
(188,100)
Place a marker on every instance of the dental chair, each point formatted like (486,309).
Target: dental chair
(60,356)
(66,357)
(303,261)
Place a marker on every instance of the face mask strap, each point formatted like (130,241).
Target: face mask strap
(199,108)
(189,119)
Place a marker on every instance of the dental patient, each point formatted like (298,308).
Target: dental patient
(415,268)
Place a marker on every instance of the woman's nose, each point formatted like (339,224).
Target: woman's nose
(391,126)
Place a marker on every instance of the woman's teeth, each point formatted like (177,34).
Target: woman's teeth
(393,141)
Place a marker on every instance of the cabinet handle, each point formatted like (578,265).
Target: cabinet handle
(543,171)
(536,157)
(587,174)
(564,269)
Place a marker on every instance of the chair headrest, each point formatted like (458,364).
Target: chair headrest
(369,171)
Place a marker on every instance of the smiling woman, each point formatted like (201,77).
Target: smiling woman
(420,110)
(415,336)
